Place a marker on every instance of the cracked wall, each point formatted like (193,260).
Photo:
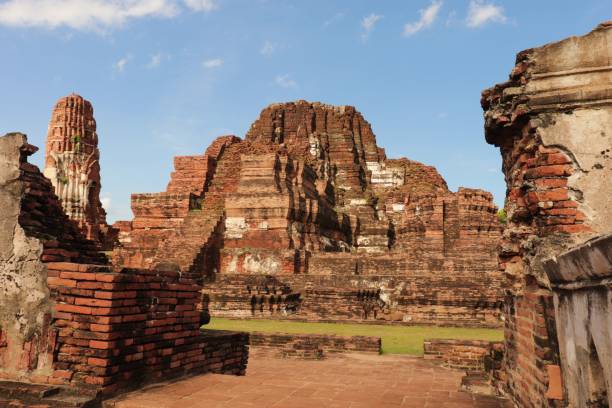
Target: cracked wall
(66,317)
(552,123)
(580,280)
(22,317)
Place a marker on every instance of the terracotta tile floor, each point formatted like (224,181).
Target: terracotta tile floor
(352,381)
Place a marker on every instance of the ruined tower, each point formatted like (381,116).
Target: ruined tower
(72,164)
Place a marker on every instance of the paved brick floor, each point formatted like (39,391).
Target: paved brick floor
(352,381)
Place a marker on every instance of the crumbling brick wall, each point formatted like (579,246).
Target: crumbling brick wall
(160,216)
(470,355)
(311,346)
(132,326)
(310,201)
(68,317)
(33,231)
(552,123)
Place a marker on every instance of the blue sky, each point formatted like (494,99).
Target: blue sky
(168,76)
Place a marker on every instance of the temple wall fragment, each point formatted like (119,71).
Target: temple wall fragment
(551,121)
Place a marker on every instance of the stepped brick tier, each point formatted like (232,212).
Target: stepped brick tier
(72,163)
(307,219)
(67,317)
(552,121)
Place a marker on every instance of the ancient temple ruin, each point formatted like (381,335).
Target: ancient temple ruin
(552,121)
(69,319)
(72,163)
(307,218)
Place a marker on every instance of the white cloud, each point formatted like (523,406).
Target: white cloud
(91,15)
(157,59)
(428,16)
(105,199)
(201,5)
(368,23)
(480,13)
(119,66)
(285,81)
(268,48)
(213,63)
(335,18)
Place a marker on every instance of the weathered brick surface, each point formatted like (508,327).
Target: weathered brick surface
(551,121)
(470,355)
(402,298)
(159,217)
(311,346)
(309,202)
(72,163)
(84,323)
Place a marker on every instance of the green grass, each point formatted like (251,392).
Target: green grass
(395,339)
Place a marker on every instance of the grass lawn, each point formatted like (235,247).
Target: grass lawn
(395,339)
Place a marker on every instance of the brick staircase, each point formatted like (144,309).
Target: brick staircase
(188,247)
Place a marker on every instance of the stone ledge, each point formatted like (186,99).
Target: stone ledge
(312,346)
(589,262)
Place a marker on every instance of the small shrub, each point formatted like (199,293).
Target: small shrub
(501,216)
(77,143)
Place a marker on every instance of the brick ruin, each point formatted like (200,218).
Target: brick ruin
(72,163)
(552,121)
(307,219)
(310,346)
(67,317)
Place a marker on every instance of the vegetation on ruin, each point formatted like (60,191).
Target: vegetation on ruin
(395,339)
(501,216)
(77,143)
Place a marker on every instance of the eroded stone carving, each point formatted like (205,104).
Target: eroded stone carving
(72,163)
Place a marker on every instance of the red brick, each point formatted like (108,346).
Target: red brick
(569,229)
(106,320)
(560,170)
(557,194)
(115,295)
(109,278)
(546,183)
(135,318)
(103,345)
(51,281)
(64,374)
(100,362)
(78,276)
(60,307)
(63,266)
(94,302)
(101,328)
(554,158)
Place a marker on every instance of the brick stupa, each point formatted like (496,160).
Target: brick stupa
(72,163)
